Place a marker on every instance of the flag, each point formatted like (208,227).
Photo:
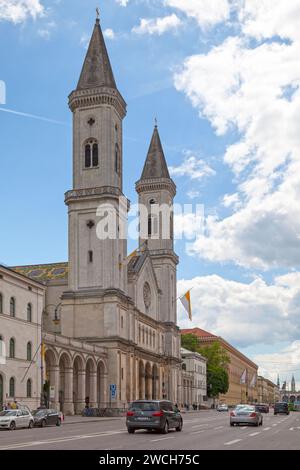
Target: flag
(43,351)
(253,381)
(186,302)
(243,377)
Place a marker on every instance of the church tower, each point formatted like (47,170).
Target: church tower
(98,111)
(293,385)
(156,192)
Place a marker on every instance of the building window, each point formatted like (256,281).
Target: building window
(29,351)
(29,313)
(117,159)
(122,373)
(91,154)
(122,322)
(90,256)
(12,307)
(1,303)
(29,388)
(12,347)
(12,387)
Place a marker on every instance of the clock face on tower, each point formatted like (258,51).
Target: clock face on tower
(147,295)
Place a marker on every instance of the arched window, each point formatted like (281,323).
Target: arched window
(183,366)
(1,303)
(91,154)
(29,351)
(12,348)
(12,307)
(29,388)
(12,387)
(29,313)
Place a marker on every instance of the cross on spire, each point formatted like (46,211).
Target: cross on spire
(98,13)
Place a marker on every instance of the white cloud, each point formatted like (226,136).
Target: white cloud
(18,11)
(207,12)
(158,25)
(253,88)
(109,33)
(193,167)
(193,194)
(245,314)
(44,33)
(123,3)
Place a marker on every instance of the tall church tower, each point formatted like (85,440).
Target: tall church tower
(156,192)
(97,251)
(293,384)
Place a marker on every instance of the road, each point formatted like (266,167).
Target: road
(207,430)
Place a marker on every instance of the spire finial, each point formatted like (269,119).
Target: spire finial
(155,122)
(97,14)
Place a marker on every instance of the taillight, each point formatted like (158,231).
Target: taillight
(253,415)
(158,413)
(232,413)
(130,413)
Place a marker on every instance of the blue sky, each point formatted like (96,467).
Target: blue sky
(216,75)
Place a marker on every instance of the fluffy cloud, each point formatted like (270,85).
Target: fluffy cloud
(109,34)
(123,3)
(207,12)
(158,25)
(252,87)
(193,167)
(245,314)
(18,11)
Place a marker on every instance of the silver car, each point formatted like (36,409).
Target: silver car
(13,419)
(246,414)
(222,407)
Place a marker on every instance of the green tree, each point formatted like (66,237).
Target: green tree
(190,342)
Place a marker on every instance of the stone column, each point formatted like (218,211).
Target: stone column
(93,390)
(54,376)
(81,392)
(68,404)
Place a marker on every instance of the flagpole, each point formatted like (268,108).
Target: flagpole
(180,297)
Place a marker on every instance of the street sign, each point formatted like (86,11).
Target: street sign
(113,391)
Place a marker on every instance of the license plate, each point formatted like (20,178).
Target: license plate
(143,418)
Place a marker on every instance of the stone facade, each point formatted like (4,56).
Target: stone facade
(193,381)
(21,307)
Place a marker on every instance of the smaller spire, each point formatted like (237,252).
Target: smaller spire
(155,165)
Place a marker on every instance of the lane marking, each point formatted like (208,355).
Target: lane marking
(199,426)
(162,439)
(266,429)
(254,434)
(244,427)
(232,442)
(291,429)
(219,427)
(274,424)
(196,432)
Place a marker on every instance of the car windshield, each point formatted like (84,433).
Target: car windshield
(144,406)
(39,412)
(248,408)
(8,413)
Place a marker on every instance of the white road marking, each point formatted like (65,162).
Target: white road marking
(274,424)
(196,432)
(199,426)
(254,434)
(266,429)
(61,439)
(162,439)
(232,442)
(291,429)
(244,427)
(219,427)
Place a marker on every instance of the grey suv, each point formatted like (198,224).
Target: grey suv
(159,415)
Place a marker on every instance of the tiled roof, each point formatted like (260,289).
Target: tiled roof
(44,272)
(198,332)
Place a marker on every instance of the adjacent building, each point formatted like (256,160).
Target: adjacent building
(193,390)
(267,391)
(242,371)
(21,308)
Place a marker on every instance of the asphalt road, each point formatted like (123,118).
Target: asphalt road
(201,431)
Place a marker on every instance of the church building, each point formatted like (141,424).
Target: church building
(109,321)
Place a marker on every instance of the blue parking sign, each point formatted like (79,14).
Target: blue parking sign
(113,391)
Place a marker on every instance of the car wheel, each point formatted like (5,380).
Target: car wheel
(165,429)
(58,422)
(179,428)
(256,424)
(43,423)
(12,426)
(232,424)
(275,414)
(131,431)
(30,424)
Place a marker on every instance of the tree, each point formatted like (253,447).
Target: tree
(217,364)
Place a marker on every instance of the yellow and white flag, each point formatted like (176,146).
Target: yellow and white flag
(186,302)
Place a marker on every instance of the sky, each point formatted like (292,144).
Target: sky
(222,78)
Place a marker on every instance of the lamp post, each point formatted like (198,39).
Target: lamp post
(56,321)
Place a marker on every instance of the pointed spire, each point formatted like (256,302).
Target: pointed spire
(96,70)
(155,165)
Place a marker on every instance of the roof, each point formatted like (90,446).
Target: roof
(44,272)
(197,332)
(96,71)
(26,278)
(155,165)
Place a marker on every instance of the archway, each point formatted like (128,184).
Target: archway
(148,374)
(91,384)
(155,381)
(292,398)
(50,379)
(101,385)
(78,385)
(65,387)
(141,381)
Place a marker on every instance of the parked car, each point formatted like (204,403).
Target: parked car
(46,417)
(13,419)
(262,408)
(222,407)
(281,408)
(246,414)
(159,415)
